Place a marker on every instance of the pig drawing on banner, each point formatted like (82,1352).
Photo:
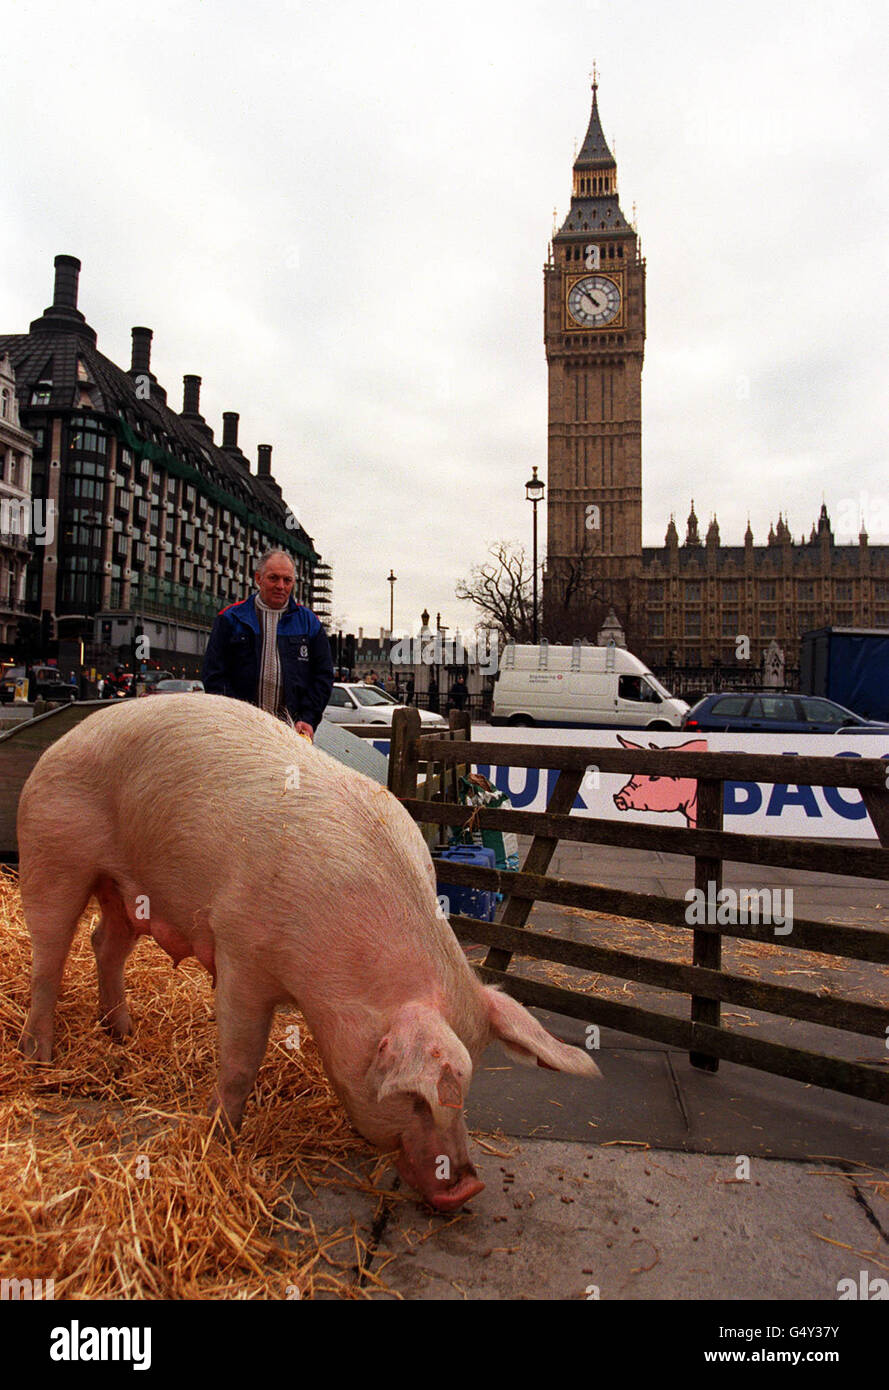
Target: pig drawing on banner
(644,792)
(315,890)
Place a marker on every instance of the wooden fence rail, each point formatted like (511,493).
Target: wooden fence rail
(703,979)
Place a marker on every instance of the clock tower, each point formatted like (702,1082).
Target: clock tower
(594,331)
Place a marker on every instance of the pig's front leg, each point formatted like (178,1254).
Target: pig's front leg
(245,1002)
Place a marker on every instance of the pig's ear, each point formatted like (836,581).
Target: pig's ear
(527,1041)
(626,743)
(421,1055)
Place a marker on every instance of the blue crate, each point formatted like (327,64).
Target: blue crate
(468,902)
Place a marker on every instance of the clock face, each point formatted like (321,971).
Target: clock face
(595,301)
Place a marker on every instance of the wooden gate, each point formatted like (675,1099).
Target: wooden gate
(703,1033)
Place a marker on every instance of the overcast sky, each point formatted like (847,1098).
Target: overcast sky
(337,214)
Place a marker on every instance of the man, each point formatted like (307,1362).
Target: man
(459,693)
(271,651)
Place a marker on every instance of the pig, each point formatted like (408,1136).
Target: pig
(217,830)
(645,792)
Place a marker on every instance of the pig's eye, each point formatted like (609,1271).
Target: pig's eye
(654,779)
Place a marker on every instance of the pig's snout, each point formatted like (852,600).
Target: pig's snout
(444,1194)
(621,802)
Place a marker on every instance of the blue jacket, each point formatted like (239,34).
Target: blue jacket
(234,653)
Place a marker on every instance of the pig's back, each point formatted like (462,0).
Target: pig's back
(219,799)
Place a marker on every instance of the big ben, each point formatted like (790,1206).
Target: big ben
(594,331)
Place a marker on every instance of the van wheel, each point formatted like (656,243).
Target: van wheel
(521,721)
(660,724)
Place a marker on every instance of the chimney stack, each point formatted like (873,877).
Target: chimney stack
(63,314)
(230,420)
(191,395)
(191,405)
(67,274)
(141,358)
(264,457)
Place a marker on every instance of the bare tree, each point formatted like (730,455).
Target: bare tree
(502,589)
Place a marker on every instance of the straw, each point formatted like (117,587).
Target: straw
(114,1183)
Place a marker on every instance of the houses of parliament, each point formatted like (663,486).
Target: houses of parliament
(690,600)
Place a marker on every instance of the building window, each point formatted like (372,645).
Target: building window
(692,592)
(692,624)
(730,622)
(729,592)
(767,591)
(86,437)
(843,590)
(768,624)
(655,624)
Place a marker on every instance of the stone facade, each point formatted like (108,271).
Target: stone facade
(16,458)
(700,600)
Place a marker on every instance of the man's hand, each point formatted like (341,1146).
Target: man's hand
(306,730)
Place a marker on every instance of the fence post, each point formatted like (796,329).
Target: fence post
(460,725)
(876,799)
(707,945)
(403,763)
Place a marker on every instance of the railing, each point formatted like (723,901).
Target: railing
(691,682)
(704,1034)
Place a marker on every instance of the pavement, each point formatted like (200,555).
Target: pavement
(660,1181)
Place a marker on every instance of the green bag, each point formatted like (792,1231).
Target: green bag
(476,790)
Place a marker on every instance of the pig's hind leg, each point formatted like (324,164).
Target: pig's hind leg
(112,941)
(52,902)
(245,1003)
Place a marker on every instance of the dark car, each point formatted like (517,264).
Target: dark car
(176,687)
(769,711)
(44,683)
(149,680)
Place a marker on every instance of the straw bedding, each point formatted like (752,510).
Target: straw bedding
(113,1181)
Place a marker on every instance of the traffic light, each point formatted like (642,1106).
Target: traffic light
(47,629)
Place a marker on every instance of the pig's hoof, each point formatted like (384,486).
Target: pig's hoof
(117,1024)
(226,1128)
(35,1049)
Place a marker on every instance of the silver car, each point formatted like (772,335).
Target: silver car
(367,704)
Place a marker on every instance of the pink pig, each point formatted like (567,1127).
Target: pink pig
(645,792)
(215,829)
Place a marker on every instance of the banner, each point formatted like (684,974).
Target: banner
(760,808)
(752,807)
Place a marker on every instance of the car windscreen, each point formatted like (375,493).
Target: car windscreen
(371,695)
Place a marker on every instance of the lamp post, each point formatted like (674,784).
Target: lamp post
(391,582)
(534,490)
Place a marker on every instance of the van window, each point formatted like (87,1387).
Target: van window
(637,689)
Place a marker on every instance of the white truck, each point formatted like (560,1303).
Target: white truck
(597,687)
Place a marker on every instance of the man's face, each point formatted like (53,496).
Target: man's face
(275,584)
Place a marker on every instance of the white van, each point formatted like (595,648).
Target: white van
(596,687)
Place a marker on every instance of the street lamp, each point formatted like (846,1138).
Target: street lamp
(534,490)
(391,582)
